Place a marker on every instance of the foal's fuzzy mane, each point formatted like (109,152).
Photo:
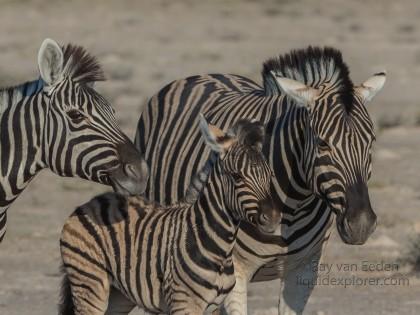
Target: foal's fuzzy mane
(249,133)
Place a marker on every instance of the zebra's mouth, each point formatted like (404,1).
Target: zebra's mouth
(118,187)
(127,187)
(130,177)
(269,230)
(267,227)
(129,181)
(354,233)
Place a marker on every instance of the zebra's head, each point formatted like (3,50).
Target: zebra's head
(338,135)
(244,171)
(81,135)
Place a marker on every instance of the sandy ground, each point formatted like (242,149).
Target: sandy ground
(143,45)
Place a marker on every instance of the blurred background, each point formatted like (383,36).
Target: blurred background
(143,45)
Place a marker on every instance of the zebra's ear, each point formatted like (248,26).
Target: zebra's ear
(298,91)
(368,89)
(50,62)
(214,137)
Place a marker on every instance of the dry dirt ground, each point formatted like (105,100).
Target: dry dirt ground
(143,45)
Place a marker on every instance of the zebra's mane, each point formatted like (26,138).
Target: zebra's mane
(313,66)
(80,66)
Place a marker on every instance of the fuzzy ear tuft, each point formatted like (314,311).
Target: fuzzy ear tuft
(50,62)
(214,137)
(368,89)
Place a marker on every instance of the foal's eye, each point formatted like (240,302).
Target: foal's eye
(236,177)
(322,144)
(75,115)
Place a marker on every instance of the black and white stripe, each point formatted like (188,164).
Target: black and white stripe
(60,122)
(319,148)
(119,252)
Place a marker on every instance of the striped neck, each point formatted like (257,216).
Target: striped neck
(288,154)
(22,118)
(11,96)
(215,222)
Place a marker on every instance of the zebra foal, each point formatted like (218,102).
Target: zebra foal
(60,122)
(119,252)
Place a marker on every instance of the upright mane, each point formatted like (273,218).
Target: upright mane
(313,66)
(80,66)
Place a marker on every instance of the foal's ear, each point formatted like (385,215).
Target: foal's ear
(214,137)
(50,62)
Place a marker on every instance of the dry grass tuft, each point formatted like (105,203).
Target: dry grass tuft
(411,257)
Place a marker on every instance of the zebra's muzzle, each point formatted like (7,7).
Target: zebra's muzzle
(131,176)
(269,217)
(358,221)
(356,233)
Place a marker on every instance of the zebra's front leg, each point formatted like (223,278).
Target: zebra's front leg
(236,301)
(186,308)
(297,286)
(3,221)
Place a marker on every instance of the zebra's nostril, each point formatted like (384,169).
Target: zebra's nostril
(346,225)
(264,218)
(253,219)
(130,170)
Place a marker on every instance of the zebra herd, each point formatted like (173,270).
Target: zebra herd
(200,208)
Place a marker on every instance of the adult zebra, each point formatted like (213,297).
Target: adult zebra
(319,148)
(120,252)
(60,122)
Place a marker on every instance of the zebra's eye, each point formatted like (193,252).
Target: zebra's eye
(75,115)
(236,177)
(322,144)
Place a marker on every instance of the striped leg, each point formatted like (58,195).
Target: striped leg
(183,302)
(182,309)
(296,287)
(90,295)
(3,221)
(236,301)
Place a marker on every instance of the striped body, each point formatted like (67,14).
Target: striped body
(319,146)
(147,262)
(175,259)
(19,142)
(224,99)
(60,122)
